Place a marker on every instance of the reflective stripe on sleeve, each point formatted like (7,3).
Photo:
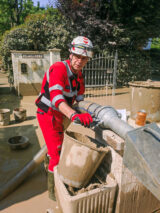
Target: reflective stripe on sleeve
(80,98)
(59,87)
(69,94)
(48,103)
(56,98)
(56,87)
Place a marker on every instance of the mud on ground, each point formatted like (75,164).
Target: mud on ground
(32,195)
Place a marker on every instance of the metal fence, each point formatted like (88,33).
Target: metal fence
(100,73)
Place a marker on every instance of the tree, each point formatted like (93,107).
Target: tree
(114,22)
(155,43)
(14,12)
(48,31)
(39,32)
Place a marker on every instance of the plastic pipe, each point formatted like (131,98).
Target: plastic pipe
(20,176)
(27,169)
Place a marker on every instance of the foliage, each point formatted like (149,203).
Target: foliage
(13,13)
(16,39)
(117,23)
(155,43)
(39,32)
(111,24)
(155,62)
(133,66)
(48,31)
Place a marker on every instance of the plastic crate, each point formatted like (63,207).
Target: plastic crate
(99,200)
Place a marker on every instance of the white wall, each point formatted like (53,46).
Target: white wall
(38,63)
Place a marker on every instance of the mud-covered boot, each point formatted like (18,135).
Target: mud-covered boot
(51,186)
(46,163)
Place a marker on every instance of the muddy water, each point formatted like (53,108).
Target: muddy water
(32,195)
(105,96)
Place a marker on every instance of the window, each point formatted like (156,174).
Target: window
(24,68)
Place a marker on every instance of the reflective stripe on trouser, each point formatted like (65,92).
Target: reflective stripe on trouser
(51,124)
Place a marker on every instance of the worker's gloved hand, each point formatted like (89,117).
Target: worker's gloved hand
(84,119)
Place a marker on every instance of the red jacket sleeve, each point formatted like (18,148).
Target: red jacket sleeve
(57,77)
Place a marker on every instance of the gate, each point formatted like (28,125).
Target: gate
(100,73)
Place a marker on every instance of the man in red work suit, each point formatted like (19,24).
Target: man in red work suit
(62,85)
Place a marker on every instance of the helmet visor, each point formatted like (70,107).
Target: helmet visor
(82,47)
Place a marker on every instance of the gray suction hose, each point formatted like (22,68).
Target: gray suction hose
(108,117)
(20,176)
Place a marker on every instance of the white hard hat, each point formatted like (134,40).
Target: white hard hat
(82,46)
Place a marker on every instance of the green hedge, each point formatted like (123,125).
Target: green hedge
(40,32)
(45,31)
(133,66)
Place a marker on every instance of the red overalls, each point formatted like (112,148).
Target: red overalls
(59,85)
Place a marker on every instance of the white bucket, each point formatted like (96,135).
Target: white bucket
(19,114)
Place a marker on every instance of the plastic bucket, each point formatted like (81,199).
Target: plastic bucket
(18,142)
(19,114)
(4,117)
(145,95)
(80,157)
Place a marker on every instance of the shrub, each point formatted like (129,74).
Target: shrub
(134,66)
(39,32)
(15,39)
